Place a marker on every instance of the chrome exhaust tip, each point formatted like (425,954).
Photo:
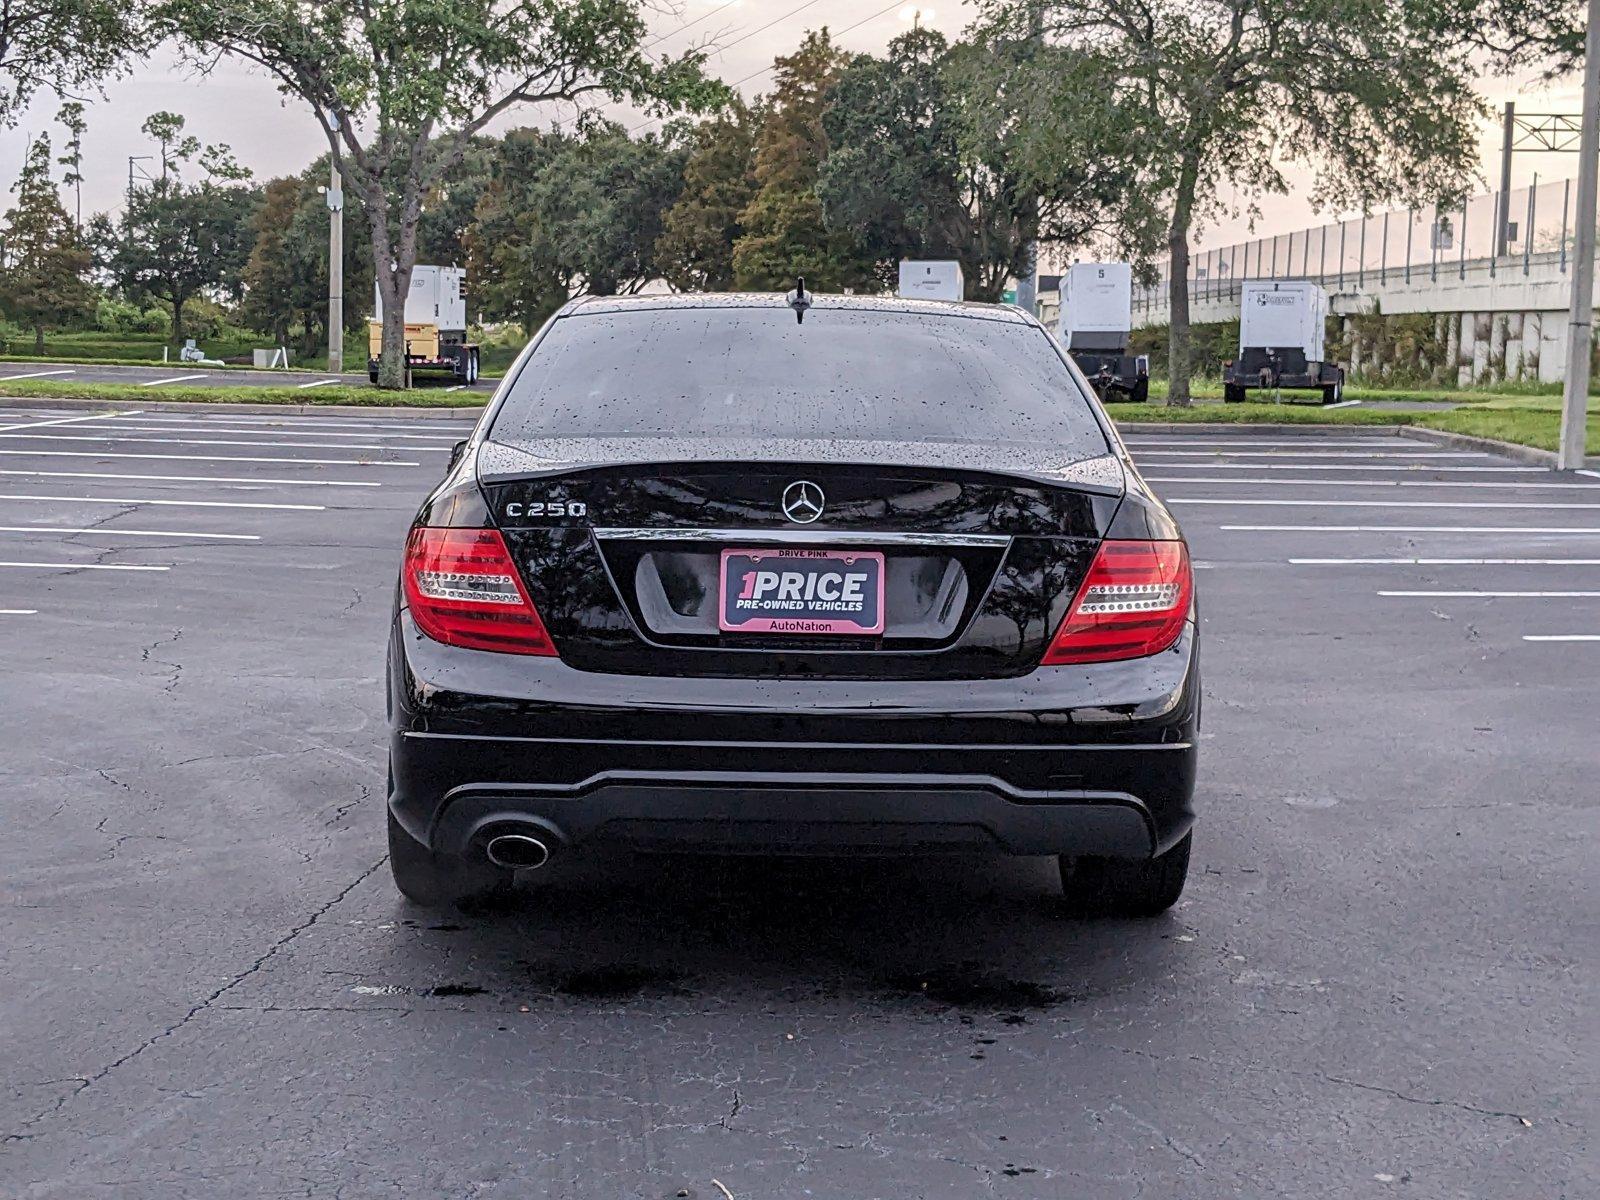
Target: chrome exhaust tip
(517,851)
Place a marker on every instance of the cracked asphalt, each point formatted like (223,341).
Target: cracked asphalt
(1382,980)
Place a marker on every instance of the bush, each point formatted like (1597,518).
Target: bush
(119,316)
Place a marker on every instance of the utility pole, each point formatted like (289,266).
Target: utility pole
(1028,285)
(335,271)
(1575,397)
(1502,202)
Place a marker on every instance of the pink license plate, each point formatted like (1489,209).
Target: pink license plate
(801,591)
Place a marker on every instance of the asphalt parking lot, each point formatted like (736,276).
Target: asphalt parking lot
(184,375)
(1382,980)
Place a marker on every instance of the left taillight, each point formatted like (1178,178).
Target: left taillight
(463,590)
(1133,603)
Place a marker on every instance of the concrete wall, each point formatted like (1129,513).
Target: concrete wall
(1496,320)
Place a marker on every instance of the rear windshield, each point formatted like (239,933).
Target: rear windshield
(846,374)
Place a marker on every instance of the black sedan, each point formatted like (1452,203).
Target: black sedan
(803,575)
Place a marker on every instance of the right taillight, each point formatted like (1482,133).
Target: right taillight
(463,590)
(1132,603)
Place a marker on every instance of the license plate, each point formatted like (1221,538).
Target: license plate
(802,591)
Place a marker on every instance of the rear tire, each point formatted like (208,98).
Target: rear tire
(1232,394)
(1332,393)
(1141,392)
(1110,887)
(431,880)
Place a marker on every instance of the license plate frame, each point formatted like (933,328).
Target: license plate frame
(853,607)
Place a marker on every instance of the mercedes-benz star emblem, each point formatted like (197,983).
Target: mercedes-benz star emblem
(802,501)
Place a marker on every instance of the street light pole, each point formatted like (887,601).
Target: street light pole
(335,271)
(1028,285)
(1575,397)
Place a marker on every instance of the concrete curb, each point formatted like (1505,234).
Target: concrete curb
(395,412)
(1531,455)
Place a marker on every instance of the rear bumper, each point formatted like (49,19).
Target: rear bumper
(1097,759)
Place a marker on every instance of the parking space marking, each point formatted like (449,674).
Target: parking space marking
(1463,595)
(323,424)
(169,503)
(1378,483)
(1380,442)
(18,612)
(67,566)
(316,383)
(1241,500)
(149,425)
(36,375)
(1445,562)
(174,379)
(65,421)
(198,478)
(1590,474)
(240,458)
(1397,455)
(1414,469)
(156,441)
(110,531)
(1561,637)
(1547,529)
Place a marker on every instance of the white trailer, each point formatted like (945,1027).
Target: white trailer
(1282,331)
(931,279)
(436,325)
(1096,326)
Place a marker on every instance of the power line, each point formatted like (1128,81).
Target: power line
(768,69)
(690,24)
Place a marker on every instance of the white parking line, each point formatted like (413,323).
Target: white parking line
(316,383)
(18,612)
(239,458)
(1343,404)
(1590,474)
(174,379)
(1445,562)
(167,503)
(1409,529)
(1561,637)
(1376,483)
(197,478)
(1396,455)
(1495,595)
(1373,503)
(156,441)
(1379,442)
(1413,469)
(323,424)
(66,421)
(146,425)
(108,530)
(36,375)
(67,566)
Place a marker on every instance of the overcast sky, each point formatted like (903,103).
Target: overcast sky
(274,136)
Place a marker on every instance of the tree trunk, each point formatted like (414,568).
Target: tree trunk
(394,260)
(177,320)
(38,341)
(1178,287)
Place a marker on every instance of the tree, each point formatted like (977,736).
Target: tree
(62,45)
(785,234)
(401,87)
(511,262)
(43,275)
(175,240)
(1376,97)
(695,250)
(924,162)
(71,119)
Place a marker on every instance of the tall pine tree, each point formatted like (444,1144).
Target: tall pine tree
(44,269)
(785,234)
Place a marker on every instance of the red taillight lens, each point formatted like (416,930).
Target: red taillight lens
(463,590)
(1133,603)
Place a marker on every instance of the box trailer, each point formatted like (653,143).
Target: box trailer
(1096,326)
(1282,324)
(436,325)
(931,280)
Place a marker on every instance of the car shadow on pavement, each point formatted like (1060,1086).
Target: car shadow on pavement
(963,932)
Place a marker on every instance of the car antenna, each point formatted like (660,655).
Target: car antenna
(800,300)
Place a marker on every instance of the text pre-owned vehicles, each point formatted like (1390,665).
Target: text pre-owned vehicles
(711,576)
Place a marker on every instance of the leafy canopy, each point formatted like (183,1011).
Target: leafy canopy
(44,267)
